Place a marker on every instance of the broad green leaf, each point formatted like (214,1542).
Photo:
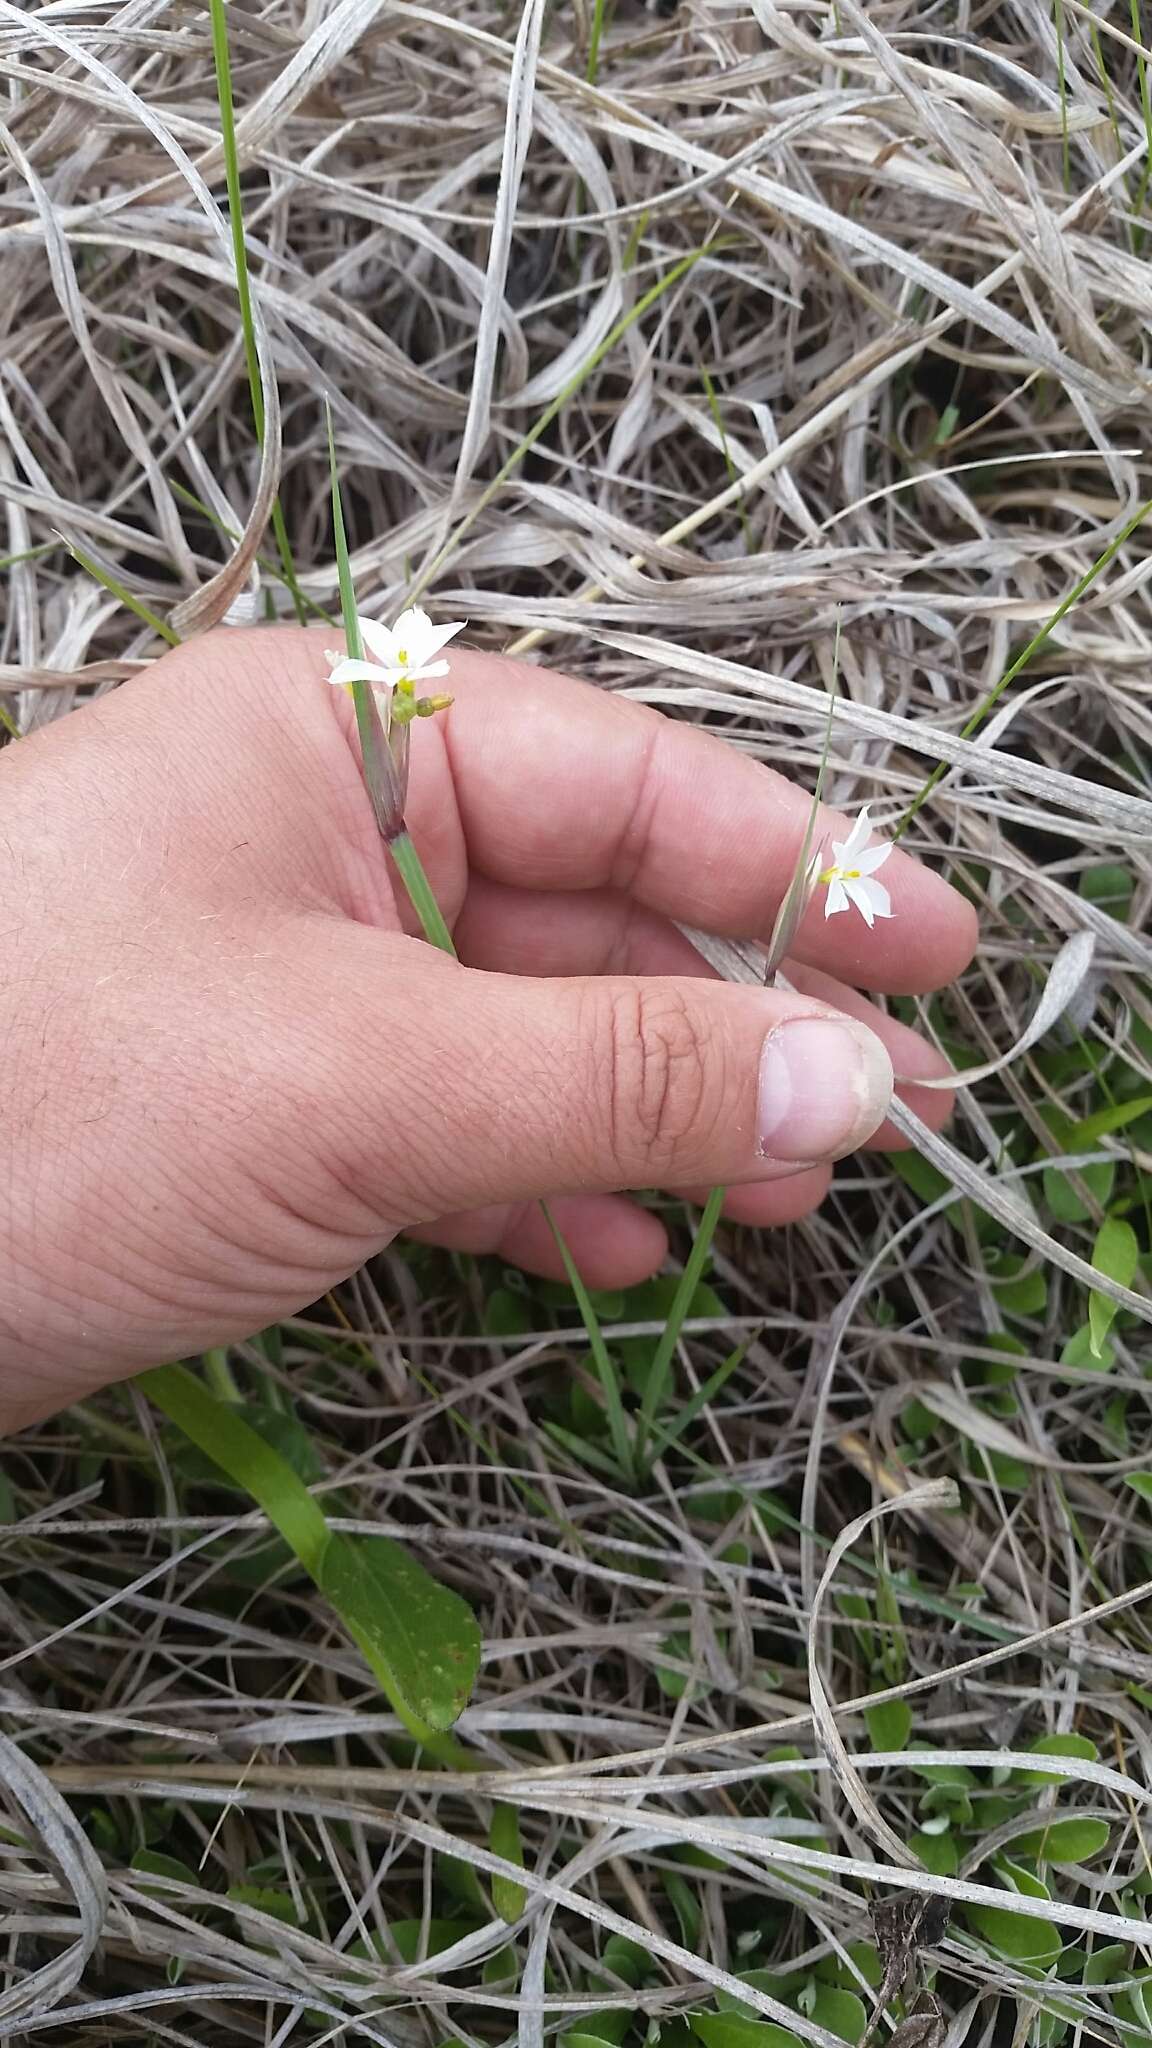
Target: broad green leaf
(685,1905)
(1070,1744)
(506,1314)
(728,2030)
(1020,1292)
(1060,1189)
(1022,1938)
(840,2012)
(1019,1878)
(421,1639)
(1105,1965)
(1079,1353)
(626,1959)
(889,1724)
(1074,1840)
(866,1958)
(1141,1483)
(413,1938)
(1103,1122)
(278,1905)
(937,1853)
(605,2029)
(504,1840)
(152,1863)
(1116,1253)
(1110,884)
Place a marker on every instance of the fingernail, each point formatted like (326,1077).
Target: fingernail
(825,1083)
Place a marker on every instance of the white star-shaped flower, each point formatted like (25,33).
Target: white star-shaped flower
(403,653)
(849,877)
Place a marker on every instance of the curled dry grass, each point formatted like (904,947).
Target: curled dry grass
(904,385)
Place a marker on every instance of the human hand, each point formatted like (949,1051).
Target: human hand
(230,1076)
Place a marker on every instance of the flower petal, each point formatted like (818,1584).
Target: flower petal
(836,899)
(412,633)
(876,896)
(438,636)
(873,857)
(380,640)
(856,841)
(360,672)
(860,902)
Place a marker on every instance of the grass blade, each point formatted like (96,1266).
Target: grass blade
(421,1639)
(602,1357)
(670,1336)
(224,99)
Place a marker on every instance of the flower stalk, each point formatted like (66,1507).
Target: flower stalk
(383,694)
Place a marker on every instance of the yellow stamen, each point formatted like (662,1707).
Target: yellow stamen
(402,656)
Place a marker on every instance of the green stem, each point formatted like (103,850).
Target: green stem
(682,1300)
(419,889)
(226,105)
(221,1378)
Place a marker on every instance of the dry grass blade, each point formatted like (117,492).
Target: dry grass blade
(707,333)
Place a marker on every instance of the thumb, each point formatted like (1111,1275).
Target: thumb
(465,1088)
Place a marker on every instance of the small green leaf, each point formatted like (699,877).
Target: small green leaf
(420,1638)
(604,2029)
(504,1840)
(626,1959)
(1020,1292)
(1106,1964)
(505,1314)
(1074,1840)
(937,1852)
(1060,1190)
(685,1905)
(1140,1482)
(413,1938)
(889,1724)
(840,2012)
(866,1958)
(726,2030)
(1023,1939)
(1116,1253)
(1079,1353)
(1070,1744)
(1103,1122)
(278,1905)
(152,1863)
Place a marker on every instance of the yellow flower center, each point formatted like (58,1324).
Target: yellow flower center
(838,874)
(402,656)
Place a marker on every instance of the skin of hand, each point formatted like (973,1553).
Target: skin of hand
(232,1073)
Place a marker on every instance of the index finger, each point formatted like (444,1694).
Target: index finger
(563,786)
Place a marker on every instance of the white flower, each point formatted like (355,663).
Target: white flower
(403,653)
(849,878)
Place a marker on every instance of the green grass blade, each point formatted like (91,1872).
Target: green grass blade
(599,8)
(411,870)
(224,100)
(504,1839)
(421,1639)
(119,591)
(602,1357)
(603,348)
(667,1433)
(660,1369)
(993,696)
